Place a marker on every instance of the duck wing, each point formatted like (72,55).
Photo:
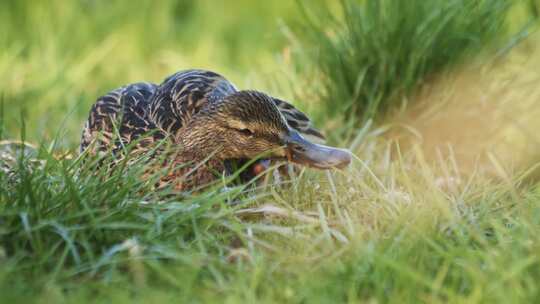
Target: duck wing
(136,109)
(118,117)
(184,94)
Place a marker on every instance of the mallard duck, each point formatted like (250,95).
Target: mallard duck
(209,122)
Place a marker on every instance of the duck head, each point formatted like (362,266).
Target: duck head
(247,124)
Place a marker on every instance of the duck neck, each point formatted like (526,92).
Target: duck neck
(198,146)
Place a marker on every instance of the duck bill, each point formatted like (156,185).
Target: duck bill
(303,152)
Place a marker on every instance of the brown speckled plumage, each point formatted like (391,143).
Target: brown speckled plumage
(202,114)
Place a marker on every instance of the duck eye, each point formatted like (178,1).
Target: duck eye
(246,132)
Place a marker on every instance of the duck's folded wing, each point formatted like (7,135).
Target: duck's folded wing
(299,121)
(120,111)
(184,94)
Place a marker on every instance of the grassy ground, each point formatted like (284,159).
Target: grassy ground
(441,203)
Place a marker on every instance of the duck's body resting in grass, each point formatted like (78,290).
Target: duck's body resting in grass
(208,122)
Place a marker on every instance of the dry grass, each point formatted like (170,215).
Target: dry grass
(478,113)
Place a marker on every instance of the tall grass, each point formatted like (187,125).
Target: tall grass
(67,220)
(377,232)
(373,51)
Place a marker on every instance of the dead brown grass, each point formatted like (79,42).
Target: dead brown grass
(482,114)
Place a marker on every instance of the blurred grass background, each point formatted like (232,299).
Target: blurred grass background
(357,57)
(382,49)
(57,57)
(437,99)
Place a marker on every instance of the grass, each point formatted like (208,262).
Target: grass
(375,51)
(380,232)
(441,203)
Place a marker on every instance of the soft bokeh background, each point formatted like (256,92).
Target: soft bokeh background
(57,57)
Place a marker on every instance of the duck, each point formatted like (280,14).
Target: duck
(208,124)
